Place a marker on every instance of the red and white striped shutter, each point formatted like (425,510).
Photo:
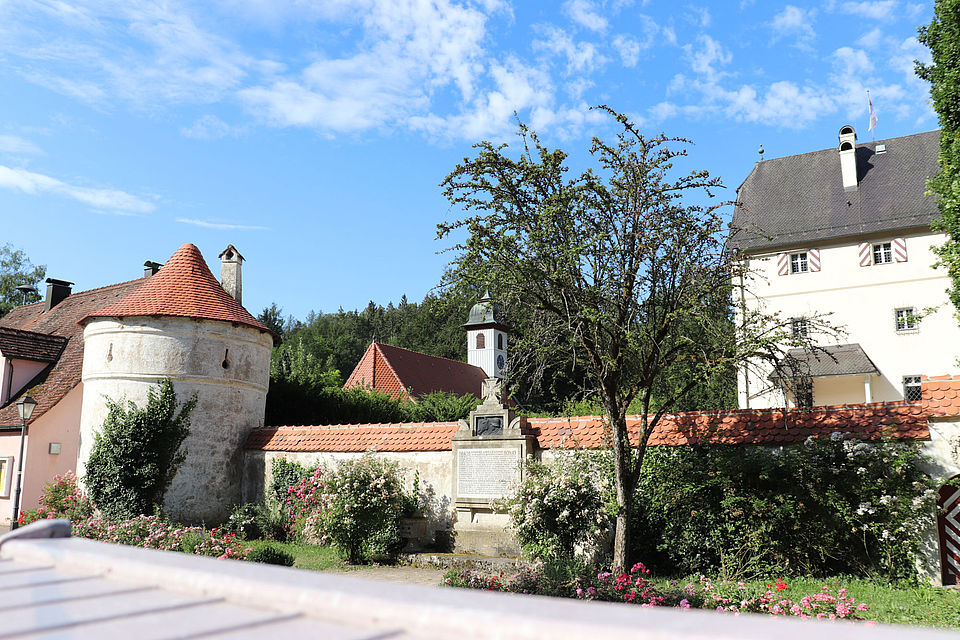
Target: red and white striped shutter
(813,259)
(783,264)
(948,506)
(866,259)
(900,249)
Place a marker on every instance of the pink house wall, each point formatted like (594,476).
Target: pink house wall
(16,374)
(61,424)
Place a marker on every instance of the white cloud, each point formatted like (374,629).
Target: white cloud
(852,62)
(208,127)
(110,200)
(871,39)
(221,226)
(581,57)
(700,16)
(875,10)
(585,13)
(628,49)
(17,145)
(794,21)
(707,56)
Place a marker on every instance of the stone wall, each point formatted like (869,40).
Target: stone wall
(226,366)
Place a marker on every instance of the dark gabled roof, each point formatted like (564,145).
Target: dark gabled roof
(30,345)
(800,199)
(825,362)
(397,371)
(53,384)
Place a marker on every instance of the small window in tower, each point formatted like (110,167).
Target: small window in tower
(481,341)
(499,341)
(906,319)
(799,327)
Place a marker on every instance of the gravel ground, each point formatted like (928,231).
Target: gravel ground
(409,575)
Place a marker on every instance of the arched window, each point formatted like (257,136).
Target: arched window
(499,341)
(481,341)
(846,146)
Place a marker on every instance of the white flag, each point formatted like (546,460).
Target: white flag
(873,115)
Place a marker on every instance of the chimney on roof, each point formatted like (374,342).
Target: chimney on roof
(848,158)
(57,290)
(230,260)
(150,268)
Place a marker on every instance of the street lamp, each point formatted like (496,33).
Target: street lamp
(25,407)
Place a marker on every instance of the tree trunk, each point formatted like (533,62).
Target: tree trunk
(622,458)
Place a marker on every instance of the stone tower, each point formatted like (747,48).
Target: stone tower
(182,324)
(487,338)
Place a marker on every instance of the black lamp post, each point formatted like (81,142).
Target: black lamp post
(25,407)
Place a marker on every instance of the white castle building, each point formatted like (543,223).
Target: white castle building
(843,235)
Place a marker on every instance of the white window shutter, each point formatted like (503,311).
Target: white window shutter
(900,249)
(783,264)
(866,258)
(813,259)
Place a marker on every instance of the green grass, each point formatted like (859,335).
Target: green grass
(308,556)
(888,604)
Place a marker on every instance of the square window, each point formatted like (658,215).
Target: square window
(803,393)
(798,262)
(882,253)
(906,319)
(911,389)
(799,327)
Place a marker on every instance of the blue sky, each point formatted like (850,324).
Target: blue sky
(314,135)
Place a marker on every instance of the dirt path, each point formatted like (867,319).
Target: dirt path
(408,575)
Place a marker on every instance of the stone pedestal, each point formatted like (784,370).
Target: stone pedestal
(488,455)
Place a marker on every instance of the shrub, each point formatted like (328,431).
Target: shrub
(285,474)
(60,498)
(833,505)
(244,521)
(137,452)
(365,500)
(559,505)
(356,506)
(269,554)
(152,532)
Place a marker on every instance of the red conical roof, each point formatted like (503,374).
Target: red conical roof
(184,287)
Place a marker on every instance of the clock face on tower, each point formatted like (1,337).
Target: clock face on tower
(500,362)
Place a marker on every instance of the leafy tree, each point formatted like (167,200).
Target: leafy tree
(614,266)
(942,36)
(272,318)
(16,270)
(137,452)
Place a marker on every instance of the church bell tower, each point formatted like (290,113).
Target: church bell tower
(487,338)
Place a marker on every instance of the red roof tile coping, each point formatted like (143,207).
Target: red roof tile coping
(183,287)
(747,426)
(940,395)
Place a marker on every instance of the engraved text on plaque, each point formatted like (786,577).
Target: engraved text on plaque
(487,473)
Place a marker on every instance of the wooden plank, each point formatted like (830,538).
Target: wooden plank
(193,622)
(76,613)
(37,578)
(306,628)
(77,589)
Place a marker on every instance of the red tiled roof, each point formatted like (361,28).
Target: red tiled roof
(941,395)
(395,370)
(184,287)
(423,436)
(762,426)
(53,384)
(30,345)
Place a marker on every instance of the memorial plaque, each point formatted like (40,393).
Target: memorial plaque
(489,426)
(487,473)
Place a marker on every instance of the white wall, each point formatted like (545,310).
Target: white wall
(862,300)
(486,358)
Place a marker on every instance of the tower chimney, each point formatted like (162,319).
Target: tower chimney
(57,290)
(230,260)
(150,268)
(848,158)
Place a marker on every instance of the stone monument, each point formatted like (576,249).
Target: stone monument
(488,454)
